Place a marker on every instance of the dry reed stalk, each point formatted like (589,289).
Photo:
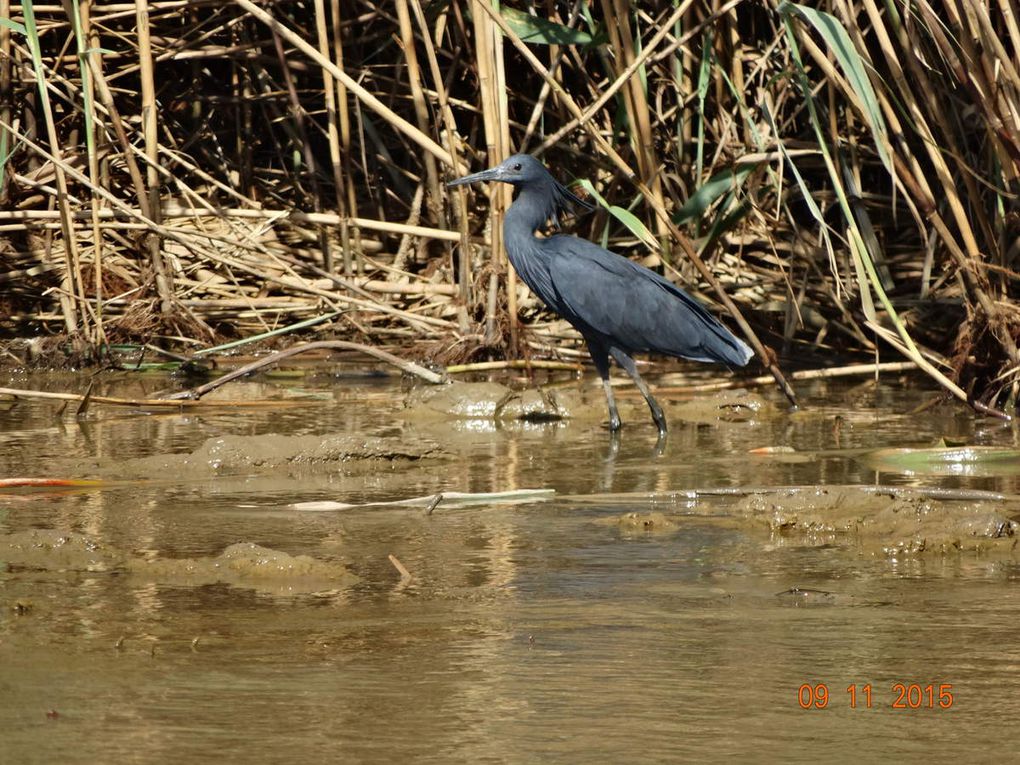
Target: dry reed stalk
(491,82)
(350,193)
(463,269)
(70,287)
(324,219)
(740,160)
(332,130)
(556,55)
(639,121)
(6,139)
(298,115)
(363,95)
(149,134)
(83,36)
(648,49)
(421,112)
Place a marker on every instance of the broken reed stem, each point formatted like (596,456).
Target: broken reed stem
(490,366)
(297,112)
(170,212)
(405,575)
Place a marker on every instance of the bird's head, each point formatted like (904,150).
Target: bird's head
(526,173)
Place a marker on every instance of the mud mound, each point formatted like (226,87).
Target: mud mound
(245,454)
(245,564)
(883,523)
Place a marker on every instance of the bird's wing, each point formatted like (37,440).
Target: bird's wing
(633,307)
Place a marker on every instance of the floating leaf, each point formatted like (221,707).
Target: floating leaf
(534,29)
(957,460)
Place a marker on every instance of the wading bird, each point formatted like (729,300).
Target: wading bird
(619,307)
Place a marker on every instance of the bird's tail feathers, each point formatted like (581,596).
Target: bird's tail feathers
(737,352)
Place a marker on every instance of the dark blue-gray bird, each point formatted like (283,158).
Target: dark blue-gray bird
(619,307)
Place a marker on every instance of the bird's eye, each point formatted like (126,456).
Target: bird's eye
(517,165)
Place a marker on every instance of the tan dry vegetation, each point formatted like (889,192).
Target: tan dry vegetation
(180,172)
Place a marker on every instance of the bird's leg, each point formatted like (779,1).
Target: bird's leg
(625,361)
(601,359)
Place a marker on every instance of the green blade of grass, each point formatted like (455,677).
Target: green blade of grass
(539,31)
(854,68)
(626,217)
(713,189)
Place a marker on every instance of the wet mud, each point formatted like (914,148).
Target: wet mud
(497,402)
(244,565)
(277,454)
(643,523)
(886,524)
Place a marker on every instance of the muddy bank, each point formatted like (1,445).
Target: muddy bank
(884,524)
(244,564)
(900,521)
(495,402)
(276,454)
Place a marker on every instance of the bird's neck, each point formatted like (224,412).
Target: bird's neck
(524,250)
(526,215)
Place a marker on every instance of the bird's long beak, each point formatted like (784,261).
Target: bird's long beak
(492,174)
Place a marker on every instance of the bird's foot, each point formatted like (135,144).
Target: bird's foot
(660,443)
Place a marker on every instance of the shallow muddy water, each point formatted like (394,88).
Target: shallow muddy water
(186,609)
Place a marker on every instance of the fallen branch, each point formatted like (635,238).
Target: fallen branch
(487,366)
(337,345)
(852,370)
(148,403)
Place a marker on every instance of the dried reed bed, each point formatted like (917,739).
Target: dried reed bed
(841,181)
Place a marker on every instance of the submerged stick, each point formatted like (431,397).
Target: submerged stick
(431,501)
(404,573)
